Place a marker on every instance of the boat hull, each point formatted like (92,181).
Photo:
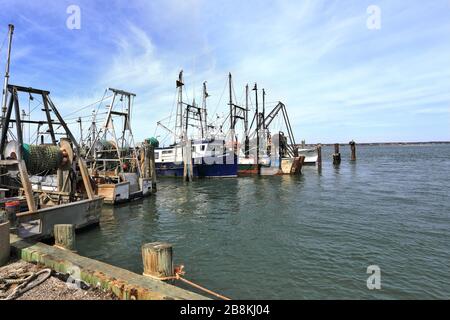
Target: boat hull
(40,224)
(202,168)
(310,155)
(114,192)
(292,166)
(173,169)
(247,169)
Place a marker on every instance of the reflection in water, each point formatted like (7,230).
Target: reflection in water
(319,231)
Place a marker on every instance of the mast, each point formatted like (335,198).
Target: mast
(264,109)
(263,117)
(179,120)
(247,142)
(232,120)
(8,61)
(81,132)
(92,136)
(204,110)
(257,125)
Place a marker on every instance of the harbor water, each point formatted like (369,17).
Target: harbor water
(300,237)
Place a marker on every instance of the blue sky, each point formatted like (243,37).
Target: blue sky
(338,79)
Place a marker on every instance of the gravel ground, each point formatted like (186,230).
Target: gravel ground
(53,288)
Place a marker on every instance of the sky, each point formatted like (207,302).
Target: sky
(339,78)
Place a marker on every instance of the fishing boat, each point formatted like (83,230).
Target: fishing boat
(247,166)
(265,153)
(208,158)
(309,154)
(209,155)
(25,163)
(112,155)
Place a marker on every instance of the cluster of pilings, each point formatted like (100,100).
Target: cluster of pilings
(337,154)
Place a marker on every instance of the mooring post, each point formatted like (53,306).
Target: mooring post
(4,243)
(157,260)
(152,166)
(353,148)
(187,156)
(336,155)
(319,155)
(12,208)
(65,236)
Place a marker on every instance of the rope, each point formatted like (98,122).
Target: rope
(25,280)
(178,276)
(89,105)
(220,100)
(203,289)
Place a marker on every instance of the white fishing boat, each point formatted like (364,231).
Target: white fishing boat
(210,154)
(113,157)
(309,154)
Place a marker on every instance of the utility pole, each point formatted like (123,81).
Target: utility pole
(8,61)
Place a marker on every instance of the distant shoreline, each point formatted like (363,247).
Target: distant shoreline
(381,143)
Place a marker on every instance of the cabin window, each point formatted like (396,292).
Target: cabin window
(203,147)
(193,148)
(156,155)
(167,152)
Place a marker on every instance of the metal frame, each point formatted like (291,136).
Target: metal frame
(13,104)
(108,127)
(271,116)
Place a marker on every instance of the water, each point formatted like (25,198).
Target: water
(306,237)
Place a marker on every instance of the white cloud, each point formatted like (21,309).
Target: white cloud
(318,57)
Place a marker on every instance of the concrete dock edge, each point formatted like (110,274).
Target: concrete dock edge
(124,284)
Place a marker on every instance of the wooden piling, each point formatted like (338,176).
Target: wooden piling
(157,260)
(152,167)
(187,159)
(353,149)
(336,155)
(4,243)
(319,155)
(65,236)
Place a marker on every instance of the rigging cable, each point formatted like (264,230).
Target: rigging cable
(89,105)
(220,100)
(4,41)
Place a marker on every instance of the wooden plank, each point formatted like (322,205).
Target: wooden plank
(86,180)
(26,184)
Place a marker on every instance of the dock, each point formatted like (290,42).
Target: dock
(124,284)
